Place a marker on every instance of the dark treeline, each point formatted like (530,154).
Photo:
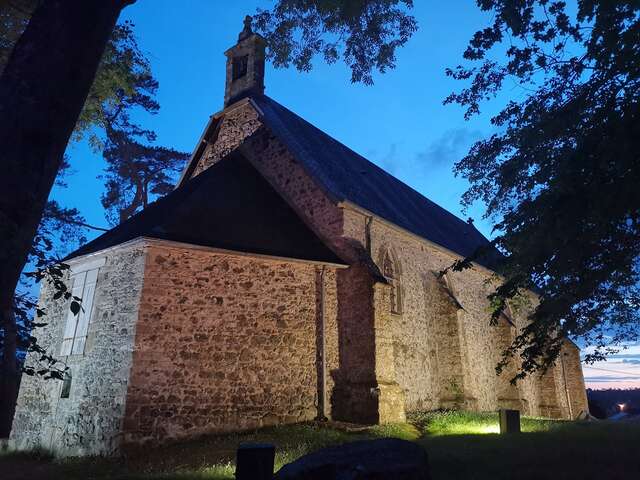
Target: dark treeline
(606,401)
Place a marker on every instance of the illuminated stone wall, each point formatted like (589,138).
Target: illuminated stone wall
(183,342)
(225,343)
(191,341)
(454,349)
(360,394)
(574,379)
(562,392)
(89,421)
(443,333)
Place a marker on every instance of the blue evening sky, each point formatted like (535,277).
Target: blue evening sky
(399,123)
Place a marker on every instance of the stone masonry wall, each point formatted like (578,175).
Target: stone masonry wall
(236,125)
(89,421)
(445,355)
(455,349)
(357,396)
(365,393)
(574,379)
(242,126)
(226,342)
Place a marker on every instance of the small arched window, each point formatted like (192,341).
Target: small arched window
(392,274)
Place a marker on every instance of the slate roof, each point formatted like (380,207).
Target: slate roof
(228,206)
(346,175)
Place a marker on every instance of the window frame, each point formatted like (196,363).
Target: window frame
(239,67)
(84,280)
(65,391)
(394,280)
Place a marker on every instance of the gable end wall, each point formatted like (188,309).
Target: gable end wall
(457,350)
(357,396)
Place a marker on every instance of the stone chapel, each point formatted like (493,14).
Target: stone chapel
(285,279)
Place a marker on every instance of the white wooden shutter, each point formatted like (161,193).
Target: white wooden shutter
(72,320)
(84,316)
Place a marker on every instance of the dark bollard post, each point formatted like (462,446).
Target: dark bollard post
(254,461)
(509,421)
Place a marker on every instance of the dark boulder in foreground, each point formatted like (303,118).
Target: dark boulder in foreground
(388,458)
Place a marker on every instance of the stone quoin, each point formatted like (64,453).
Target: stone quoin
(285,279)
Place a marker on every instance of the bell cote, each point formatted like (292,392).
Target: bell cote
(245,66)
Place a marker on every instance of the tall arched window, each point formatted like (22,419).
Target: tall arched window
(391,272)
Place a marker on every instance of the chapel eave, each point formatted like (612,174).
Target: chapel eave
(229,206)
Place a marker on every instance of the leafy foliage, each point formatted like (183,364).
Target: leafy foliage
(365,32)
(136,169)
(561,176)
(59,226)
(42,363)
(123,82)
(134,173)
(124,73)
(14,16)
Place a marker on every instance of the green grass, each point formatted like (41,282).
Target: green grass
(460,445)
(210,458)
(453,422)
(549,450)
(213,456)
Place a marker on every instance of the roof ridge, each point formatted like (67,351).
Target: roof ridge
(345,174)
(375,166)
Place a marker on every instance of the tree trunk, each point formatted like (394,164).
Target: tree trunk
(9,375)
(42,90)
(136,202)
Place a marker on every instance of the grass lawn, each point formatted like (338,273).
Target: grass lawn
(460,446)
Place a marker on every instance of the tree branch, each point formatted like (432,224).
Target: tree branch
(86,225)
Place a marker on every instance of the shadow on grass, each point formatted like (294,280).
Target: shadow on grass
(564,450)
(458,444)
(210,457)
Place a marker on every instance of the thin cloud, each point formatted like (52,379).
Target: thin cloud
(604,378)
(626,350)
(389,161)
(621,372)
(624,355)
(449,148)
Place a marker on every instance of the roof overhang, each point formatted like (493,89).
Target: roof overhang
(142,242)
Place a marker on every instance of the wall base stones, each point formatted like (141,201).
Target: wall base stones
(369,404)
(576,391)
(391,403)
(356,403)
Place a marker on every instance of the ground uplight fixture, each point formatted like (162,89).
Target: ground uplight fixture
(509,421)
(621,406)
(254,461)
